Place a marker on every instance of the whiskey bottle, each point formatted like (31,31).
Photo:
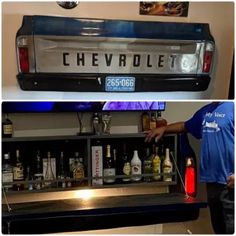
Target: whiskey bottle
(167,167)
(7,127)
(18,173)
(109,170)
(136,167)
(7,172)
(78,172)
(153,121)
(38,175)
(145,121)
(156,166)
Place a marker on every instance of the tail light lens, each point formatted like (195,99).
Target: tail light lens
(24,59)
(207,59)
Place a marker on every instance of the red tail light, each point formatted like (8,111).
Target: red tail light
(190,178)
(207,62)
(24,59)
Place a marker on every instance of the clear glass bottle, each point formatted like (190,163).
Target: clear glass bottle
(156,166)
(7,172)
(109,167)
(18,173)
(96,123)
(49,175)
(61,173)
(136,167)
(38,175)
(167,167)
(29,178)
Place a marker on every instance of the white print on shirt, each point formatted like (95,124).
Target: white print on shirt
(212,126)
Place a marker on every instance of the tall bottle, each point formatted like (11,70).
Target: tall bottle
(49,175)
(7,172)
(160,121)
(18,172)
(190,177)
(29,178)
(145,119)
(147,165)
(136,167)
(156,166)
(125,166)
(38,175)
(167,167)
(61,173)
(152,123)
(7,127)
(96,123)
(109,167)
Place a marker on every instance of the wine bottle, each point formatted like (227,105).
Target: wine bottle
(136,167)
(156,166)
(147,165)
(109,167)
(167,167)
(125,166)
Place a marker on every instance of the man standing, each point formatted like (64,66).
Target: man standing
(214,125)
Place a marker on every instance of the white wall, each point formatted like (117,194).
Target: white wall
(220,16)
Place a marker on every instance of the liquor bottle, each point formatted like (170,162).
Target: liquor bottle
(147,165)
(28,179)
(61,173)
(49,175)
(145,121)
(96,123)
(38,175)
(109,167)
(156,166)
(190,177)
(7,172)
(160,122)
(125,166)
(167,167)
(136,167)
(152,123)
(7,127)
(18,173)
(78,172)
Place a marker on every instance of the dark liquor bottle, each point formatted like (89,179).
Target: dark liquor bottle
(18,173)
(147,166)
(153,121)
(125,166)
(7,172)
(160,121)
(145,121)
(109,167)
(61,173)
(78,172)
(38,175)
(7,127)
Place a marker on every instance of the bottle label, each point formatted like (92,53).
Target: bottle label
(136,169)
(147,166)
(7,177)
(18,173)
(166,173)
(109,172)
(156,168)
(78,173)
(127,169)
(7,129)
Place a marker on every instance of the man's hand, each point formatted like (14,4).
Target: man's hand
(157,133)
(230,181)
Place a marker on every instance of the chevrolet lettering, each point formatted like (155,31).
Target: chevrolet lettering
(73,54)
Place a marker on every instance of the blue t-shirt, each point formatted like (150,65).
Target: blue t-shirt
(214,124)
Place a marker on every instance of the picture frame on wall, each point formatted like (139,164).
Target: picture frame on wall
(176,9)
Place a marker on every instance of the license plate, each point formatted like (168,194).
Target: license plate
(119,84)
